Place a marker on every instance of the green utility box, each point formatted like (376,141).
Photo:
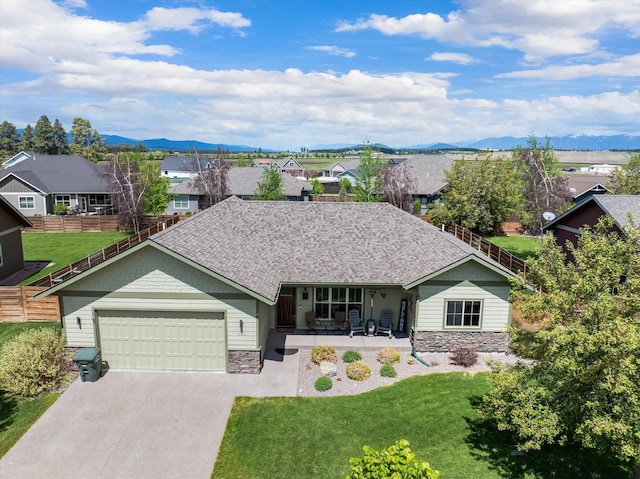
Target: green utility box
(89,364)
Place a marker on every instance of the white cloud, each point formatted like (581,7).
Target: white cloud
(627,66)
(192,19)
(461,58)
(540,28)
(334,50)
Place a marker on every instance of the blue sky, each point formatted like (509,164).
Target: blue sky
(285,74)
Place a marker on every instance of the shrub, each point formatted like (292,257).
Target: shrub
(350,356)
(388,371)
(60,209)
(323,383)
(358,371)
(33,362)
(188,213)
(394,461)
(464,356)
(388,356)
(324,353)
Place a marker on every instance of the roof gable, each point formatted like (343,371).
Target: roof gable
(19,218)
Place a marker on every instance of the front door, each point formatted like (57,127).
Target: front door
(286,310)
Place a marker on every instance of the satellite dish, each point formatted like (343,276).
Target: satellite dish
(548,215)
(572,190)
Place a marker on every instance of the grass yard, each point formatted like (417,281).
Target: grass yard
(314,437)
(18,414)
(62,249)
(523,247)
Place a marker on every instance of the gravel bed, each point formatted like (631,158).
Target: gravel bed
(408,366)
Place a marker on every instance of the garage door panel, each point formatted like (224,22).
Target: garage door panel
(163,340)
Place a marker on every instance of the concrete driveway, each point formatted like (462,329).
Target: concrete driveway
(141,424)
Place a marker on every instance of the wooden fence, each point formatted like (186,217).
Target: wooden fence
(73,224)
(101,256)
(506,259)
(16,304)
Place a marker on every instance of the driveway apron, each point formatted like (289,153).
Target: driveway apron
(141,424)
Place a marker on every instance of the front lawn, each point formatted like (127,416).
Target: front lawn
(314,437)
(524,247)
(62,249)
(18,414)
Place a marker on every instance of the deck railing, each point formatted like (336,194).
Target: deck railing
(101,256)
(506,259)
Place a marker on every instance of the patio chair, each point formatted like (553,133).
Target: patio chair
(355,323)
(312,323)
(338,324)
(385,325)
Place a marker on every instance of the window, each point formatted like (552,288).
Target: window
(463,314)
(63,199)
(100,200)
(181,202)
(330,300)
(27,202)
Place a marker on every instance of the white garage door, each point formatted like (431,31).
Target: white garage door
(163,340)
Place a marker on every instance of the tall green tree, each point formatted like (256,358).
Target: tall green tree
(9,140)
(480,194)
(368,172)
(583,385)
(544,188)
(43,139)
(86,141)
(270,187)
(626,179)
(60,146)
(26,142)
(157,195)
(316,187)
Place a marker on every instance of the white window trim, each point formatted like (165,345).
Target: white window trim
(93,200)
(33,202)
(462,326)
(330,302)
(175,204)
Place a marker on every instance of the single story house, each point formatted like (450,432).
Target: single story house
(37,182)
(428,172)
(204,294)
(566,227)
(243,182)
(11,224)
(583,186)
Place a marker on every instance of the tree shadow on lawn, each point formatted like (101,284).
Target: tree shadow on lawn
(497,448)
(8,407)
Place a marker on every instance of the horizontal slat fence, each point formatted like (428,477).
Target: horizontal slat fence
(73,224)
(103,255)
(16,304)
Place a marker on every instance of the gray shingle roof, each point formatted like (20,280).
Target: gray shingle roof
(619,207)
(59,174)
(261,245)
(428,172)
(244,181)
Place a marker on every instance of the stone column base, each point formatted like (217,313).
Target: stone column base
(244,362)
(445,341)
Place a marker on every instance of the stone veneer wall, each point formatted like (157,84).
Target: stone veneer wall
(244,362)
(445,341)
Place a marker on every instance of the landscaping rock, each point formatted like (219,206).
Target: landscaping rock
(328,369)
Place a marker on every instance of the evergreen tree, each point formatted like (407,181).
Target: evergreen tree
(9,140)
(59,138)
(270,188)
(27,142)
(43,139)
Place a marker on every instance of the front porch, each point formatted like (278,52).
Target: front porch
(300,339)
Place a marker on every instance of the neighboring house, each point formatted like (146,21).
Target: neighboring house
(204,293)
(566,227)
(583,186)
(428,172)
(182,167)
(37,182)
(287,165)
(335,169)
(11,224)
(604,169)
(243,182)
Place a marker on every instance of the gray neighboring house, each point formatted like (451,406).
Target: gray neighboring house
(35,183)
(204,294)
(182,167)
(243,182)
(12,222)
(428,174)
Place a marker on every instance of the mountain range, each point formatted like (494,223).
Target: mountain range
(570,142)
